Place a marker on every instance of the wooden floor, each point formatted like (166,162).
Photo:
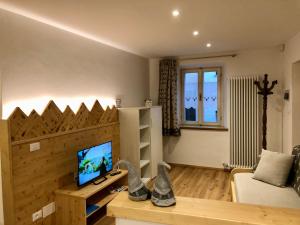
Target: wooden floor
(198,182)
(194,182)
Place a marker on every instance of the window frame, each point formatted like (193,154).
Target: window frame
(200,122)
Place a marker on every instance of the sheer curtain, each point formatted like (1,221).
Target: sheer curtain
(168,96)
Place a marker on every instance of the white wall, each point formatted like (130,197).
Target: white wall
(211,148)
(1,62)
(39,63)
(154,80)
(0,92)
(291,56)
(1,198)
(296,103)
(43,62)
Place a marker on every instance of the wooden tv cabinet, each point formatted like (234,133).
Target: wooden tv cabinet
(71,201)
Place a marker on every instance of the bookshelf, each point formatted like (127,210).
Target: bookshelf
(140,132)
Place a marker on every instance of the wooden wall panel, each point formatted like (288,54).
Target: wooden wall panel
(66,122)
(33,126)
(51,117)
(17,118)
(95,115)
(6,172)
(36,175)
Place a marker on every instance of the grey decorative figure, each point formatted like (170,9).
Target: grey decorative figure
(137,191)
(163,194)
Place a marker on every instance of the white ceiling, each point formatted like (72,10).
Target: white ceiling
(147,28)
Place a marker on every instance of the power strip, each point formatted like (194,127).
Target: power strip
(119,189)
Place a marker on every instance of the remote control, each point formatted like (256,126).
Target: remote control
(114,173)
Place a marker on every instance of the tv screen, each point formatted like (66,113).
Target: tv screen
(94,162)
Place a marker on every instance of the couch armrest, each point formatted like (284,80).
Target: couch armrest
(234,171)
(241,170)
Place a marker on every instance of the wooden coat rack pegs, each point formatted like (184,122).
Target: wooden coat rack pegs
(265,91)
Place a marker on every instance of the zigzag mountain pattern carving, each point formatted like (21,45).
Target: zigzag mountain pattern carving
(52,120)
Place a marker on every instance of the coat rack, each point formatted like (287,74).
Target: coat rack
(264,90)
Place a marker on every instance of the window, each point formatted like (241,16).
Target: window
(201,96)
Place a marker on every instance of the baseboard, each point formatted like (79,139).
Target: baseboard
(195,166)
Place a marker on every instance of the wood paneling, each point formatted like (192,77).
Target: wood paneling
(31,178)
(53,120)
(6,172)
(76,213)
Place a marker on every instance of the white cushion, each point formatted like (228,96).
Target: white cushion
(256,192)
(274,168)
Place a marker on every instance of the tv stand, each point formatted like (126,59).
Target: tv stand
(72,202)
(99,181)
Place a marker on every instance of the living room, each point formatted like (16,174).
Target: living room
(181,76)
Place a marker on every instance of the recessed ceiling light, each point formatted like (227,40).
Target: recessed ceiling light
(175,13)
(208,45)
(195,33)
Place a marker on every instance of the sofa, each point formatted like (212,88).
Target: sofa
(247,190)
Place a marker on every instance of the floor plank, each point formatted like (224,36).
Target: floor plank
(201,183)
(195,182)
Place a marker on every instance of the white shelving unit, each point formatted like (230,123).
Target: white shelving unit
(144,162)
(138,134)
(144,127)
(144,144)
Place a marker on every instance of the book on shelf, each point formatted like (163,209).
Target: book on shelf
(91,208)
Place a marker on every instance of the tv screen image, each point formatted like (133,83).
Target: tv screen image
(94,162)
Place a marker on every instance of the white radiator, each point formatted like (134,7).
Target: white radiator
(244,122)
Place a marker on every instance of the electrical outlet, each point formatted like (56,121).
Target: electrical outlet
(35,146)
(75,176)
(37,215)
(48,209)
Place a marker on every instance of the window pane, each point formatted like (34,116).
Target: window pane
(210,97)
(191,96)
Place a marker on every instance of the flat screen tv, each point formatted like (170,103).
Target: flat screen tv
(94,162)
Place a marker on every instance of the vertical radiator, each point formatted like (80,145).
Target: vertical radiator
(244,122)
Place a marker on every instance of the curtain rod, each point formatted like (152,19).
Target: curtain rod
(209,57)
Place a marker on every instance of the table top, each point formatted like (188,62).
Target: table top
(90,189)
(194,211)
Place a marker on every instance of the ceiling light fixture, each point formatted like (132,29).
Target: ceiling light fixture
(175,13)
(195,33)
(208,45)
